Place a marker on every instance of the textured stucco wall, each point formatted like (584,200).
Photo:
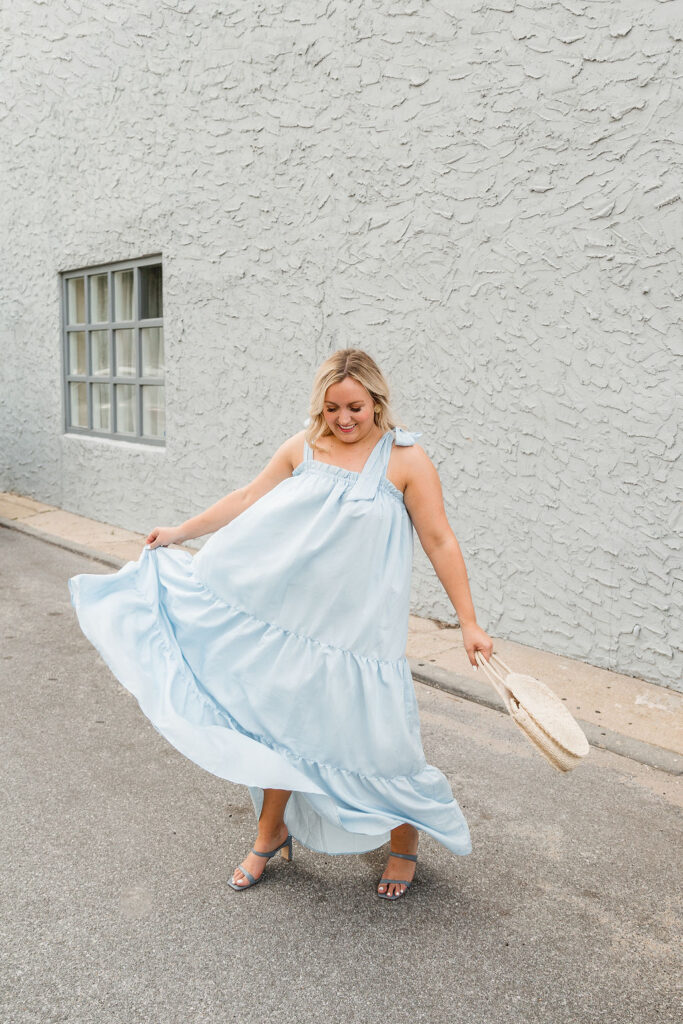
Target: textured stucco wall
(486,196)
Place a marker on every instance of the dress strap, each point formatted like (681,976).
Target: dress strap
(375,468)
(406,437)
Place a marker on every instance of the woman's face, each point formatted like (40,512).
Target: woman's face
(349,410)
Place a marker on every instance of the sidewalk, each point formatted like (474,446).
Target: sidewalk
(618,712)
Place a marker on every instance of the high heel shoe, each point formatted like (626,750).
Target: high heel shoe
(396,881)
(287,853)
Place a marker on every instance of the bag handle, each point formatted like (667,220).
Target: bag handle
(495,676)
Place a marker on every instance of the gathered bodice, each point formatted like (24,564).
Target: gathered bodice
(364,483)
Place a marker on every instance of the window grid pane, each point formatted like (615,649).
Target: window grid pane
(123,294)
(78,403)
(153,410)
(150,292)
(77,360)
(101,407)
(99,298)
(76,301)
(126,408)
(125,353)
(99,353)
(152,341)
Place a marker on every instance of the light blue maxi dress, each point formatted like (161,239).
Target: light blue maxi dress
(275,656)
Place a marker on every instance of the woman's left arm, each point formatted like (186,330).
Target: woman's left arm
(423,499)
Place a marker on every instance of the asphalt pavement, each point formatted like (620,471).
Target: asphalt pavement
(115,852)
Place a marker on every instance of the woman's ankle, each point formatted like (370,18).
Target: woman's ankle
(271,832)
(404,836)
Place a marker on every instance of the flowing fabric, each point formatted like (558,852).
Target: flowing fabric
(275,656)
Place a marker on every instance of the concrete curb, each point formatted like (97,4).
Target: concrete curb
(459,686)
(62,542)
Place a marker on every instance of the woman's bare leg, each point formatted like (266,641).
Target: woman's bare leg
(404,839)
(271,832)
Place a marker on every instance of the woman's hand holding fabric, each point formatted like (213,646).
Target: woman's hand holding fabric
(162,536)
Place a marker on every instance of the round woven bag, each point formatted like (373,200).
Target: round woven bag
(539,713)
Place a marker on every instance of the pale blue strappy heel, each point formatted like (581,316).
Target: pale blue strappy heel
(396,881)
(285,847)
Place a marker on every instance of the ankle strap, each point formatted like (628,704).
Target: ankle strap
(404,856)
(271,853)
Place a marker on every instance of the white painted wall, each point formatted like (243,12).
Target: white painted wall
(485,196)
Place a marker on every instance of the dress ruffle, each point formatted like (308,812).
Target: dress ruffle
(241,698)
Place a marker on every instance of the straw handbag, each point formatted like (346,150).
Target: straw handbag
(539,713)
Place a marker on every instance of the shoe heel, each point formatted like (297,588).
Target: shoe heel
(286,850)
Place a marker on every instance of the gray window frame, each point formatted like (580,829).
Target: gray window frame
(109,325)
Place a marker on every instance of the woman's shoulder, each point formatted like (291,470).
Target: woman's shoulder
(294,447)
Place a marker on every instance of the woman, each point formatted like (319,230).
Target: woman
(275,657)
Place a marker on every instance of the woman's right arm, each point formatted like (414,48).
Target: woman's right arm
(228,508)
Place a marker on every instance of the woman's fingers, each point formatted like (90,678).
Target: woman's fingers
(486,650)
(161,536)
(152,540)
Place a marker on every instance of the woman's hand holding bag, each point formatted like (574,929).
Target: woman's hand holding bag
(476,639)
(539,713)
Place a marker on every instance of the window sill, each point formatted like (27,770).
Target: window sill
(115,442)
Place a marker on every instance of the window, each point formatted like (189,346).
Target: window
(114,351)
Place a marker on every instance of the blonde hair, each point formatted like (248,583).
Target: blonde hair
(348,362)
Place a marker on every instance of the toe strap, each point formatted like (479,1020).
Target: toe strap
(398,881)
(247,874)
